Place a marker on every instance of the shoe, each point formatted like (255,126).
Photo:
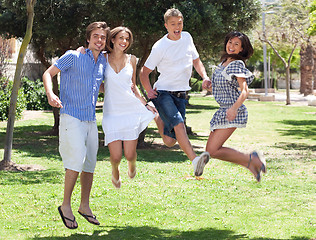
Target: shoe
(88,217)
(200,162)
(262,160)
(132,175)
(258,174)
(65,218)
(116,183)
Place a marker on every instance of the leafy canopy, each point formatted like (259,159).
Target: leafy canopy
(60,25)
(312,18)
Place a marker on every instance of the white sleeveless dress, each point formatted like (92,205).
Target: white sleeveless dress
(124,115)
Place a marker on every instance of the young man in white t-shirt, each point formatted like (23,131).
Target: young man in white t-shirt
(174,55)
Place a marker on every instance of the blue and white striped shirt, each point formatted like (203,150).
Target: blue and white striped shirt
(80,80)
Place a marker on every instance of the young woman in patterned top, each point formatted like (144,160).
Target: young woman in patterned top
(229,85)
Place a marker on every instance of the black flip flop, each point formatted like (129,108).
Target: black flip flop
(87,217)
(65,218)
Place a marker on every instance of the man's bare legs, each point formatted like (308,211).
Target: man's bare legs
(184,143)
(181,135)
(168,141)
(86,180)
(70,181)
(86,184)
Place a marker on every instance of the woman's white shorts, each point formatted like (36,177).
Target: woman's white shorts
(78,143)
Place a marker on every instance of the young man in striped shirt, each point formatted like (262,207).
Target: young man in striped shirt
(80,79)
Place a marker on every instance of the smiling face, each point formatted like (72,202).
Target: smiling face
(121,41)
(234,46)
(97,40)
(174,26)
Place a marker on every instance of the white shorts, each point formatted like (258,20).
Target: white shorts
(78,143)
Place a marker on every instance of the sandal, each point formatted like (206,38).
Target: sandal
(263,164)
(116,183)
(132,174)
(262,160)
(87,217)
(65,218)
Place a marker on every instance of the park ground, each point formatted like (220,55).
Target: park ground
(165,200)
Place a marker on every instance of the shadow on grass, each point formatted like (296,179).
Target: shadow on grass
(33,177)
(156,233)
(152,133)
(36,141)
(295,146)
(191,109)
(299,128)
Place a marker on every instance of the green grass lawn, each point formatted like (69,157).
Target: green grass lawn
(165,201)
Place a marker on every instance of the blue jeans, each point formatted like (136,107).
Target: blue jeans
(171,110)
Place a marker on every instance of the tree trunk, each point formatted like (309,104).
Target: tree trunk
(55,129)
(140,64)
(17,82)
(141,139)
(314,69)
(287,82)
(41,56)
(306,67)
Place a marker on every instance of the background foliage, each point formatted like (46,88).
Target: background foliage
(31,96)
(312,18)
(35,94)
(60,25)
(5,94)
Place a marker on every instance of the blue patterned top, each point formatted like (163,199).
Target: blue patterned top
(80,80)
(225,90)
(224,83)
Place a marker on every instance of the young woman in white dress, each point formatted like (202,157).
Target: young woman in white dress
(125,112)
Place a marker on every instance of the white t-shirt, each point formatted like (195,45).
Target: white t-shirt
(174,61)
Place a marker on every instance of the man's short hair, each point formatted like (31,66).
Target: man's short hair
(172,12)
(96,25)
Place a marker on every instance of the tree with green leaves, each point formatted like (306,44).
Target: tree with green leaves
(312,18)
(312,33)
(59,24)
(287,28)
(16,84)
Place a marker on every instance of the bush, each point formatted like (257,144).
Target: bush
(5,95)
(196,85)
(256,83)
(35,94)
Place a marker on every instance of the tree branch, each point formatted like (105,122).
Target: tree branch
(292,52)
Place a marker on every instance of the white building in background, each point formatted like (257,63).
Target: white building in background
(32,68)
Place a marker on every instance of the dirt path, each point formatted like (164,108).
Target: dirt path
(32,114)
